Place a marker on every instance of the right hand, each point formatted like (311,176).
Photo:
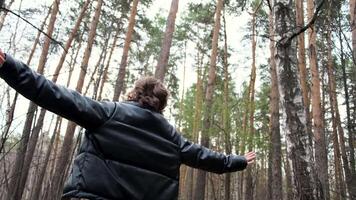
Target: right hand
(2,57)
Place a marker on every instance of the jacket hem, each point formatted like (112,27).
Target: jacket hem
(82,194)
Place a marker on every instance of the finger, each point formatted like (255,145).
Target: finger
(251,158)
(251,153)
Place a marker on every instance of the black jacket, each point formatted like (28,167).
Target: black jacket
(128,152)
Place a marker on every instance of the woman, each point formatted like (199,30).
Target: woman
(129,150)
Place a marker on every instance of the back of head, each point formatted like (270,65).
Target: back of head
(150,93)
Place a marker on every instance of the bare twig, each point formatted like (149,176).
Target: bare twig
(17,15)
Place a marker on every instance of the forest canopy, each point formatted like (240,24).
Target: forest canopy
(277,77)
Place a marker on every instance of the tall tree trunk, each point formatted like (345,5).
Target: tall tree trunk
(226,114)
(122,70)
(181,102)
(339,175)
(321,159)
(9,119)
(36,130)
(162,63)
(106,69)
(64,157)
(276,167)
(299,9)
(11,110)
(351,127)
(4,136)
(37,40)
(249,187)
(39,183)
(289,184)
(33,49)
(350,179)
(18,182)
(70,39)
(197,122)
(299,148)
(201,176)
(352,4)
(100,71)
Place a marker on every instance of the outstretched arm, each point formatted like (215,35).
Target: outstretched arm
(197,156)
(69,104)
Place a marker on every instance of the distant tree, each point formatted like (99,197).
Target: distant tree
(122,70)
(350,181)
(201,179)
(17,184)
(65,156)
(226,114)
(162,63)
(249,186)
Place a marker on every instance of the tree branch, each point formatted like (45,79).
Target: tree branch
(269,5)
(286,40)
(17,15)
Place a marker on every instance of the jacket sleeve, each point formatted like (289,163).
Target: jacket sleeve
(67,103)
(197,156)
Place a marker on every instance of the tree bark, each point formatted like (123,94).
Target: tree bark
(321,159)
(249,187)
(201,176)
(162,63)
(352,4)
(299,9)
(63,161)
(226,114)
(276,163)
(299,148)
(122,70)
(289,186)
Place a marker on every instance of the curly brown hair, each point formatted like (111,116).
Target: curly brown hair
(150,93)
